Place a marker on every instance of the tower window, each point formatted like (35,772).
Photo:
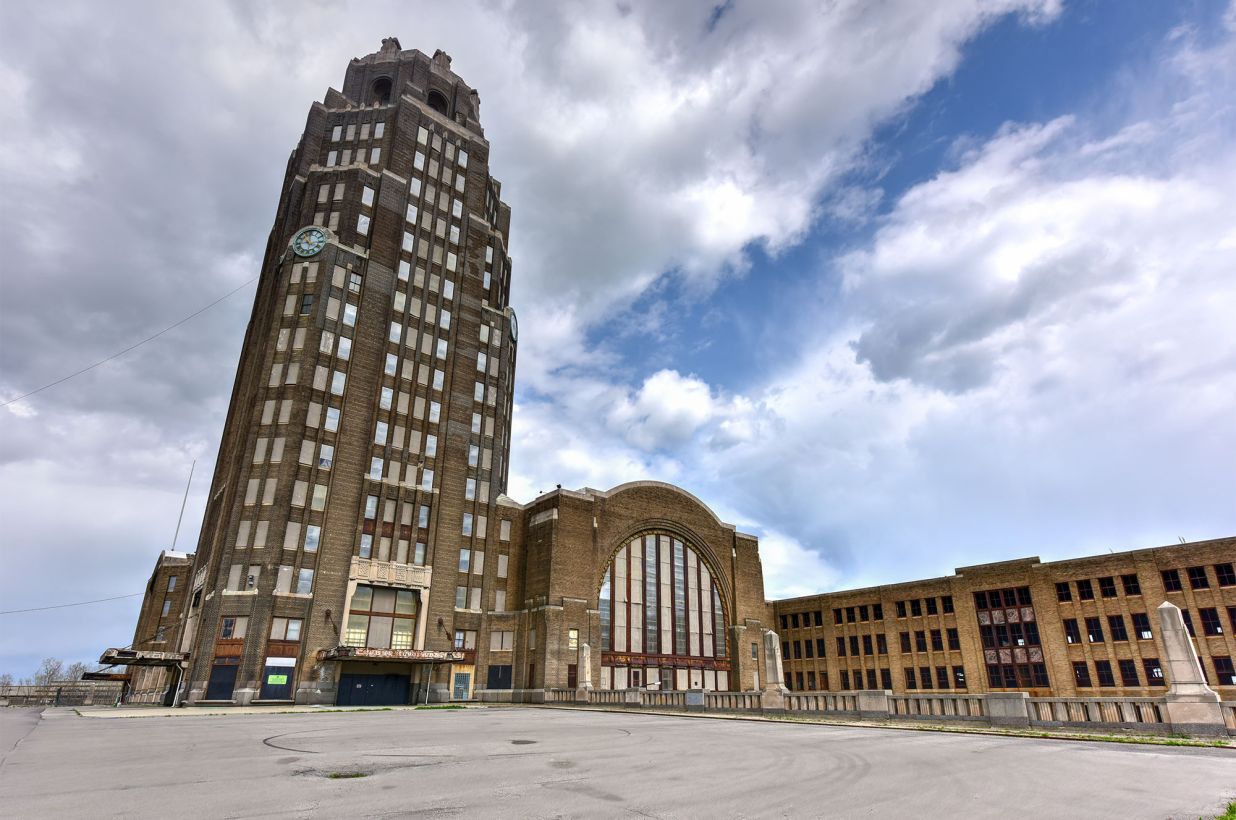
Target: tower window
(381,91)
(438,103)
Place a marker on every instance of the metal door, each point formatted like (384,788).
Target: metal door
(462,687)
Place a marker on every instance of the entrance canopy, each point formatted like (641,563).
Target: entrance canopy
(142,657)
(362,653)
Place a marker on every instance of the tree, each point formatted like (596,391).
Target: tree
(76,670)
(6,679)
(50,670)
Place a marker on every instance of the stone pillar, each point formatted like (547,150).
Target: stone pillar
(873,704)
(1007,708)
(774,674)
(1192,706)
(583,670)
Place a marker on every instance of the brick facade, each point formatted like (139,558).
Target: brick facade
(1115,589)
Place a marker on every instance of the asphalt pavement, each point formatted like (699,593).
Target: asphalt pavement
(529,762)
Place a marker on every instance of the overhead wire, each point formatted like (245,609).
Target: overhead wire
(150,338)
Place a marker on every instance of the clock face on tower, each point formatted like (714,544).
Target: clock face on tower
(309,241)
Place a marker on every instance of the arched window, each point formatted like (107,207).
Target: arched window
(662,618)
(438,103)
(381,91)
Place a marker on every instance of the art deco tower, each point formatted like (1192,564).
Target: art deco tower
(371,410)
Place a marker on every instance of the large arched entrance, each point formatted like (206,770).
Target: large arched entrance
(662,618)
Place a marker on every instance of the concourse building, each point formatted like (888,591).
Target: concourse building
(359,548)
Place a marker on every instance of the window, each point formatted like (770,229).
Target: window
(304,582)
(313,537)
(1171,580)
(349,314)
(1116,624)
(931,606)
(1154,672)
(501,641)
(167,608)
(233,628)
(911,681)
(362,225)
(941,677)
(338,383)
(1225,574)
(465,639)
(1094,630)
(1107,588)
(171,583)
(1071,633)
(837,616)
(1103,671)
(1081,674)
(1225,675)
(920,641)
(821,648)
(306,304)
(573,639)
(1141,625)
(946,604)
(1085,592)
(905,642)
(332,419)
(1210,621)
(326,456)
(285,629)
(937,640)
(916,607)
(1131,585)
(1188,622)
(840,647)
(1198,579)
(954,639)
(1128,673)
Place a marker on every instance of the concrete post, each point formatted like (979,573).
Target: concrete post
(873,704)
(774,674)
(1192,706)
(583,686)
(1007,708)
(695,700)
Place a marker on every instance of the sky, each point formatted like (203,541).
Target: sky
(896,286)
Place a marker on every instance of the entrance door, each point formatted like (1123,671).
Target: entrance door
(222,681)
(277,678)
(636,681)
(462,686)
(372,690)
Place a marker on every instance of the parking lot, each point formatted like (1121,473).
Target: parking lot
(531,762)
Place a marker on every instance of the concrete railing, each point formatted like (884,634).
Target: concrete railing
(732,701)
(1109,711)
(937,706)
(668,699)
(992,708)
(843,702)
(1229,715)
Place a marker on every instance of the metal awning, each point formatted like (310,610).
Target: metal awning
(142,657)
(363,653)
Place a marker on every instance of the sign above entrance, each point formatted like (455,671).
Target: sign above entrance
(365,653)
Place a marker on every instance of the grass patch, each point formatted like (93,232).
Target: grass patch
(1230,814)
(347,775)
(442,706)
